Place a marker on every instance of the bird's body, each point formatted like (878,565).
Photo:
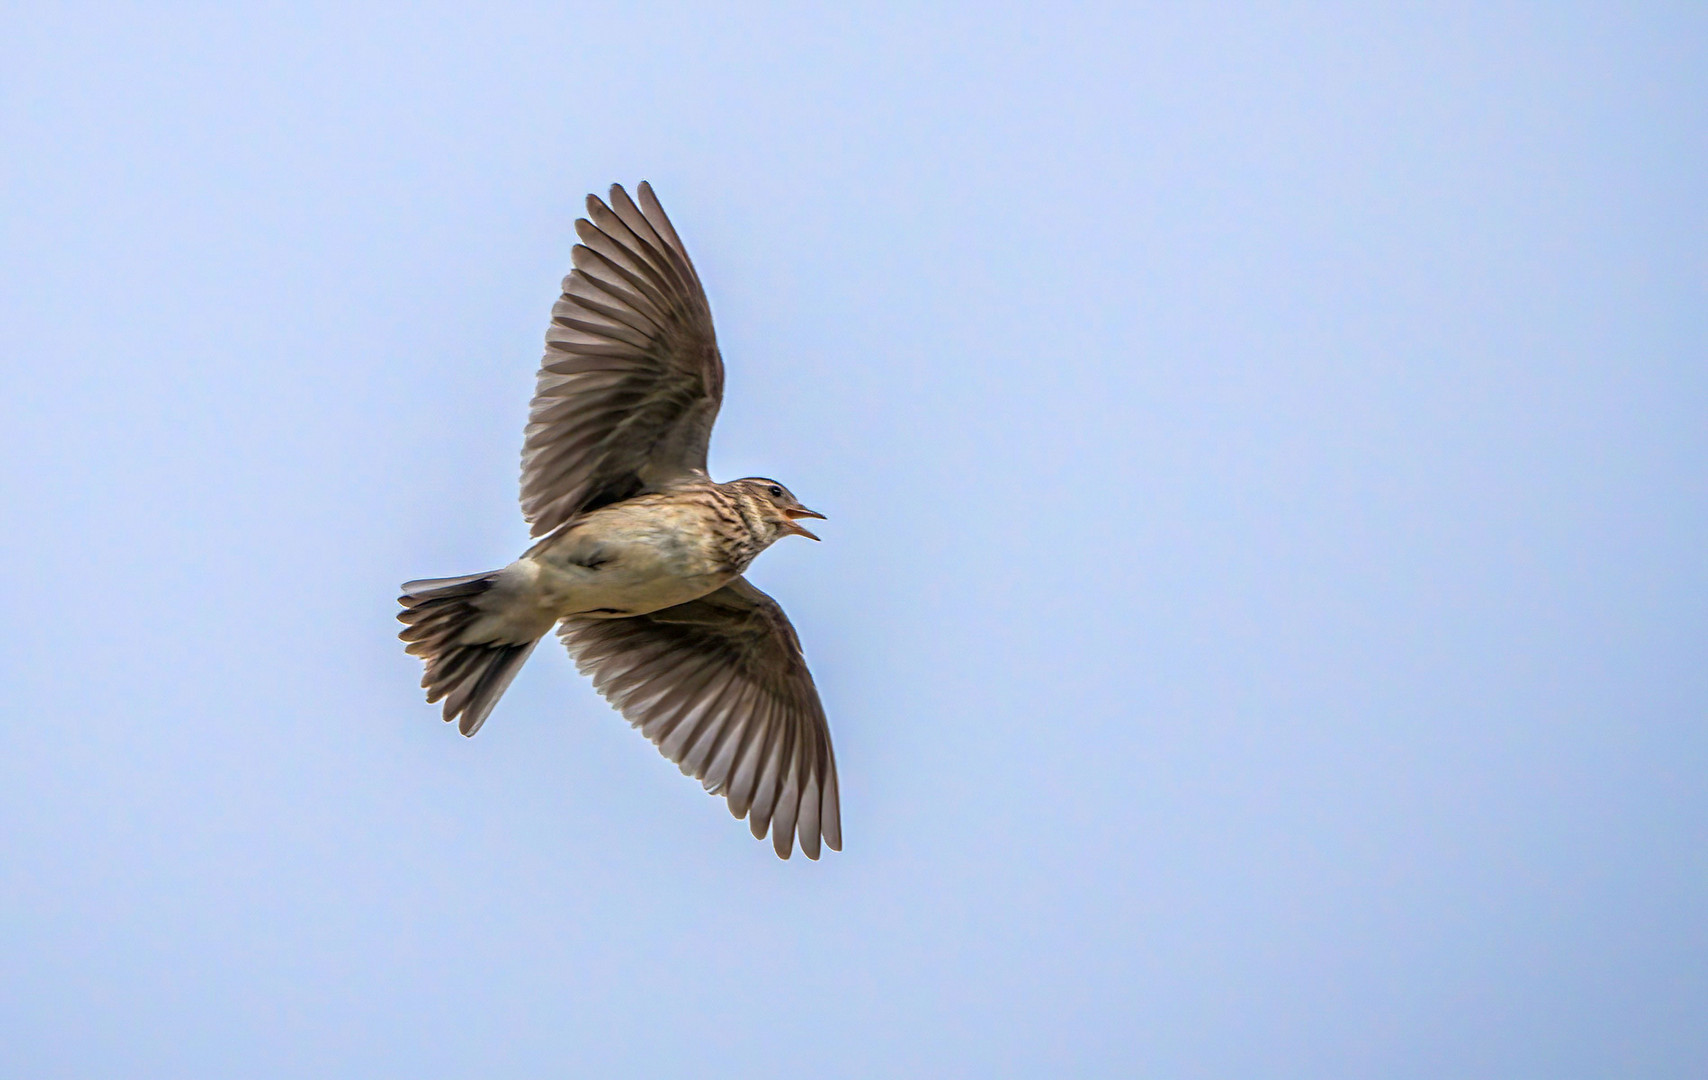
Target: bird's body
(641,554)
(634,557)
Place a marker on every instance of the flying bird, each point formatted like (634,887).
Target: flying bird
(640,554)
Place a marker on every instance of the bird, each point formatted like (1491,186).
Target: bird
(639,555)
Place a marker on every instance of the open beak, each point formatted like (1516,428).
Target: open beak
(801,512)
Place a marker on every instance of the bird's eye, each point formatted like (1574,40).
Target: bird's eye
(776,492)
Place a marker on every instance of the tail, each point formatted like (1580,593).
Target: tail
(470,675)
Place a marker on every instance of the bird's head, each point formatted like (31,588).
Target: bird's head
(778,505)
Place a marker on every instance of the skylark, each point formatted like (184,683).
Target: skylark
(641,553)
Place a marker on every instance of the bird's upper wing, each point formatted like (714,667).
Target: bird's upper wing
(631,380)
(720,686)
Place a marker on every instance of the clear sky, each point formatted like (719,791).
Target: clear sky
(1262,614)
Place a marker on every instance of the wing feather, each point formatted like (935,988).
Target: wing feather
(631,380)
(719,685)
(745,777)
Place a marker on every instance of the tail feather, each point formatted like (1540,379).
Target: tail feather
(469,676)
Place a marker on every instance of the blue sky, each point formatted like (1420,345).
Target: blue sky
(1261,613)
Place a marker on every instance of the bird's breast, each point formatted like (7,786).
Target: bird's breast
(632,558)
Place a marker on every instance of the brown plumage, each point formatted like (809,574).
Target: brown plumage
(641,553)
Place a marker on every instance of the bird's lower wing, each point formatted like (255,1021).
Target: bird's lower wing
(720,686)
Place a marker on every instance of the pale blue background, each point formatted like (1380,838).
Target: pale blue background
(1263,611)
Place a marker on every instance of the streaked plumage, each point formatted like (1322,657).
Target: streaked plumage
(641,553)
